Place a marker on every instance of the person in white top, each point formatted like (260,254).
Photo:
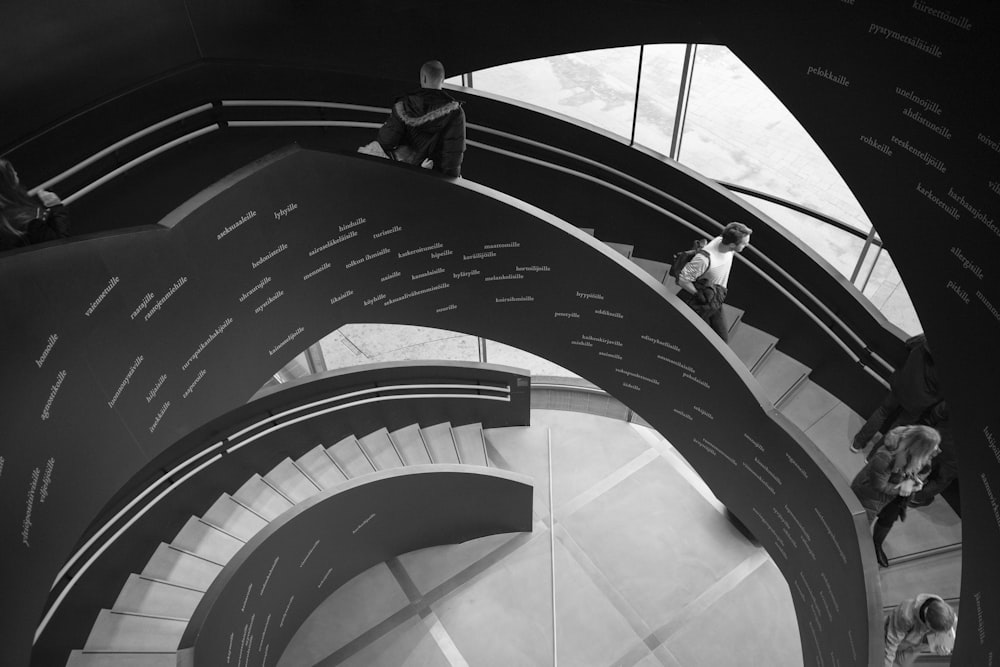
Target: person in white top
(704,280)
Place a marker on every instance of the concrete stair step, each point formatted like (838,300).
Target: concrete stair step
(440,443)
(320,468)
(410,445)
(291,482)
(177,567)
(653,267)
(350,457)
(471,444)
(807,404)
(119,659)
(210,543)
(734,316)
(263,499)
(780,375)
(751,345)
(381,450)
(235,519)
(114,631)
(155,598)
(623,248)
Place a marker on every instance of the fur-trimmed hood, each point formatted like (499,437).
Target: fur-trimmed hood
(426,108)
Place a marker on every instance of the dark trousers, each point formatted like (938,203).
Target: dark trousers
(715,318)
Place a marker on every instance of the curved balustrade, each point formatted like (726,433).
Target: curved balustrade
(814,312)
(310,551)
(279,422)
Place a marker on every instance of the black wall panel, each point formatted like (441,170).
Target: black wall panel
(186,322)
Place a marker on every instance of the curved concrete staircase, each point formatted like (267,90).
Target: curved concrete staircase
(145,625)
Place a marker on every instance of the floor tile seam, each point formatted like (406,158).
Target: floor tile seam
(473,571)
(632,656)
(419,605)
(694,480)
(691,612)
(370,636)
(405,582)
(604,485)
(443,640)
(603,584)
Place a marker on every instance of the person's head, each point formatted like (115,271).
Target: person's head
(13,200)
(917,445)
(432,74)
(11,190)
(938,615)
(736,236)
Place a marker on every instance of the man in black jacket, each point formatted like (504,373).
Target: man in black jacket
(427,124)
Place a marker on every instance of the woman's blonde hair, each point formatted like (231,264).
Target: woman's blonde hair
(914,447)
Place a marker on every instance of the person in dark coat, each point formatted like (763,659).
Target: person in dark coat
(426,125)
(27,219)
(913,394)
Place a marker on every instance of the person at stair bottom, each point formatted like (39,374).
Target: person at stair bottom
(426,125)
(914,390)
(704,280)
(898,469)
(925,622)
(27,219)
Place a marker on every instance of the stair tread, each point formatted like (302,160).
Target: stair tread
(653,267)
(440,442)
(623,248)
(122,659)
(144,596)
(471,444)
(380,449)
(751,344)
(233,518)
(807,405)
(320,467)
(779,373)
(180,568)
(290,481)
(348,455)
(206,541)
(410,445)
(114,631)
(261,498)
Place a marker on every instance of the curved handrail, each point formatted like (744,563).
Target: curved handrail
(238,437)
(862,358)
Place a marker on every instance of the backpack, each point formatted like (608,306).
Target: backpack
(680,259)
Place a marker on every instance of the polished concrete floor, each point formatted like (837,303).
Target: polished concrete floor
(648,571)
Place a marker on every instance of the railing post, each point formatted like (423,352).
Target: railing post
(635,106)
(683,93)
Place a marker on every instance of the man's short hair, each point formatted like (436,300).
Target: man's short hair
(433,70)
(734,232)
(938,615)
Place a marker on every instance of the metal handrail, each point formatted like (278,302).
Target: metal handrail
(774,267)
(234,442)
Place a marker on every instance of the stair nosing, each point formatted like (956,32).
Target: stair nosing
(220,529)
(305,474)
(169,583)
(191,553)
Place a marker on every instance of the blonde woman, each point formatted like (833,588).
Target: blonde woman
(897,469)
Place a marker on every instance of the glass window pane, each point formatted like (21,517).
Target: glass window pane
(355,344)
(662,65)
(884,288)
(498,353)
(737,131)
(597,87)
